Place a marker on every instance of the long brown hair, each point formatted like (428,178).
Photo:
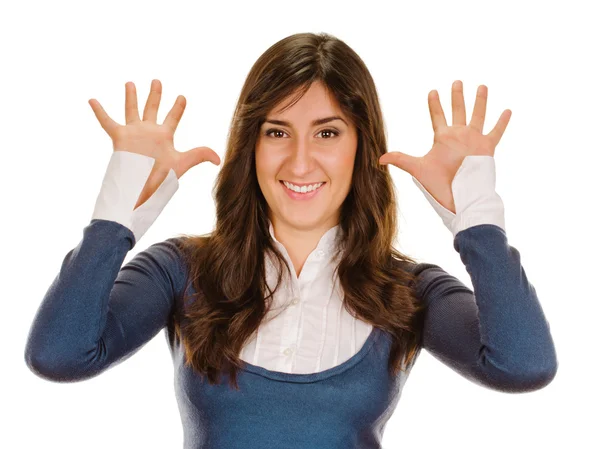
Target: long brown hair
(227,266)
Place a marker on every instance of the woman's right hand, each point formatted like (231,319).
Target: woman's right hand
(147,137)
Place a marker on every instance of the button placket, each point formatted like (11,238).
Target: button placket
(292,291)
(290,349)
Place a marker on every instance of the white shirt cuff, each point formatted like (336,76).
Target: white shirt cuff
(122,185)
(475,196)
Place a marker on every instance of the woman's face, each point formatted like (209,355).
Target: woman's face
(291,149)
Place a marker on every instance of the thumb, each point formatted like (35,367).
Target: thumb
(403,161)
(198,155)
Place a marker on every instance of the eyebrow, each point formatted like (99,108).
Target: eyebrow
(315,122)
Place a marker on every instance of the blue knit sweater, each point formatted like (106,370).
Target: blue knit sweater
(98,313)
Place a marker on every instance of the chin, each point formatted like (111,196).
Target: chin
(300,218)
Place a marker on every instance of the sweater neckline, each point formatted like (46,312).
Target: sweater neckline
(321,375)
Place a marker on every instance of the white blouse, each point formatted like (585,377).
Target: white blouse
(308,330)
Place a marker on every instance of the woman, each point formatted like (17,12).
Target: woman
(298,296)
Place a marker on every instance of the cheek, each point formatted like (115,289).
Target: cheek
(340,167)
(266,167)
(262,161)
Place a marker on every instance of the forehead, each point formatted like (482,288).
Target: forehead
(316,101)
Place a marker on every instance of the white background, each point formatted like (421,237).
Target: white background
(539,59)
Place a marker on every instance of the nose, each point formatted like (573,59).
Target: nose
(301,160)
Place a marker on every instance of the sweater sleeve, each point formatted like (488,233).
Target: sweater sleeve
(497,334)
(97,313)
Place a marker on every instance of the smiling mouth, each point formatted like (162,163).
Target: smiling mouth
(319,183)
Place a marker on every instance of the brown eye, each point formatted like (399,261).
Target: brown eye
(330,131)
(273,130)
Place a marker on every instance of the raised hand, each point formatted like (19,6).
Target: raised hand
(145,136)
(451,144)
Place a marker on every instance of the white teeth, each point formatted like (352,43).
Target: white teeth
(302,189)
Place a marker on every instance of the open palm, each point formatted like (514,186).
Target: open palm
(451,144)
(146,137)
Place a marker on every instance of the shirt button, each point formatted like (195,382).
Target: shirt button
(288,351)
(295,301)
(320,253)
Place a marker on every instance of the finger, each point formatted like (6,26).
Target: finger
(203,154)
(438,119)
(496,134)
(478,116)
(174,116)
(458,104)
(194,157)
(131,107)
(108,124)
(151,108)
(409,164)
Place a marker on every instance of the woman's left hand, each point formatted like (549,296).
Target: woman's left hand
(451,144)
